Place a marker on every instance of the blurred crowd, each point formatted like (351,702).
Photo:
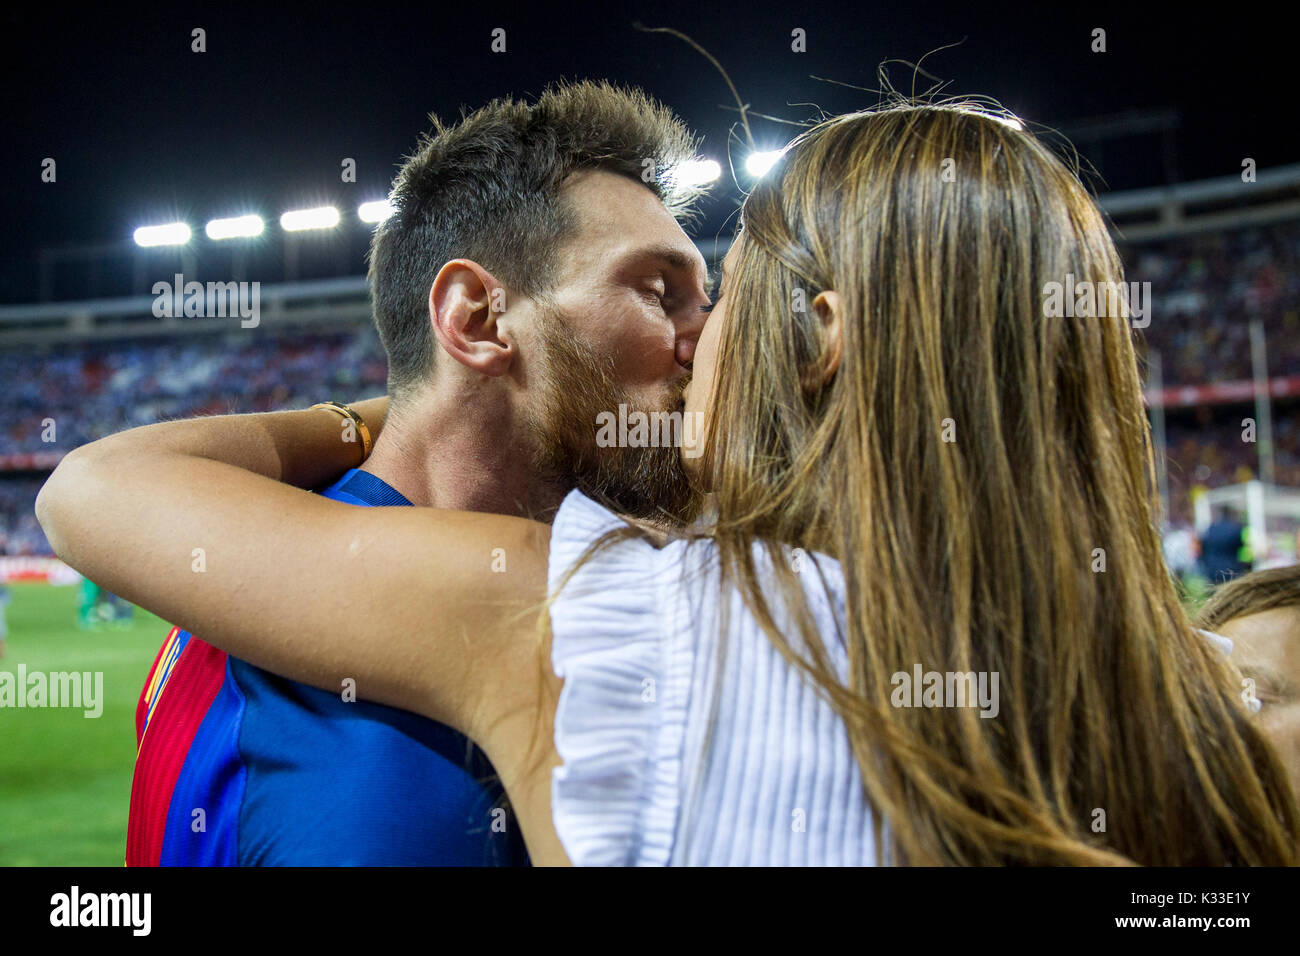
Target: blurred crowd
(93,390)
(1208,450)
(96,389)
(19,532)
(1204,291)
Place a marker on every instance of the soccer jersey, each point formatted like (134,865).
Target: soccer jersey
(238,767)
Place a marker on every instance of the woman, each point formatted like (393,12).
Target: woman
(913,470)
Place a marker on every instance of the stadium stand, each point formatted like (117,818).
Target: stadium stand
(95,368)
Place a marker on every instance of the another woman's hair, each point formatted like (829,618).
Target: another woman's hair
(1251,594)
(984,473)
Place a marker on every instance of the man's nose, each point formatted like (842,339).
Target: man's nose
(688,335)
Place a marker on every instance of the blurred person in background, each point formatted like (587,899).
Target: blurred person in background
(1225,552)
(5,596)
(89,604)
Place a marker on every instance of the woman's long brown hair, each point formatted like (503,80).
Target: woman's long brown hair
(984,474)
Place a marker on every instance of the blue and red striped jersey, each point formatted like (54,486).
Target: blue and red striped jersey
(238,767)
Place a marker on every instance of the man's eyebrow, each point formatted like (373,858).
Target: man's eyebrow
(671,255)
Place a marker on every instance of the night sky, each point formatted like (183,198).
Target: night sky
(143,130)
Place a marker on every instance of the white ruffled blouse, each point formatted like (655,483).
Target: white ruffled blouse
(636,640)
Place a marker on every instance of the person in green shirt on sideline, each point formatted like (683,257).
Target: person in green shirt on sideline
(90,598)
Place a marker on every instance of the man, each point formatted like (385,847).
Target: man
(532,275)
(1224,549)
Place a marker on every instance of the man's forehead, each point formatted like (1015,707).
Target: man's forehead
(619,220)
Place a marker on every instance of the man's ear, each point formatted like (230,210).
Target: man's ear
(464,303)
(828,311)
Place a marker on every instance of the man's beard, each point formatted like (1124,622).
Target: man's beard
(647,482)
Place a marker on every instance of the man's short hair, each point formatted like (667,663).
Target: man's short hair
(488,189)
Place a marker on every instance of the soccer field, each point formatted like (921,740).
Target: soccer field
(65,778)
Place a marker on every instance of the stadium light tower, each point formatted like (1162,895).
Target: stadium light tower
(166,234)
(236,227)
(297,221)
(300,220)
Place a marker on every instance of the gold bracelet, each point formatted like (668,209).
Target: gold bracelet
(348,412)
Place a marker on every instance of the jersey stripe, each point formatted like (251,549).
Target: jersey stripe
(180,711)
(146,695)
(163,666)
(202,827)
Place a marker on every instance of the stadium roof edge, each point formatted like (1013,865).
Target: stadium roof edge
(1222,187)
(127,305)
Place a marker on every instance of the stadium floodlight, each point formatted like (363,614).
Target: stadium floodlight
(697,172)
(166,234)
(376,211)
(297,220)
(235,227)
(760,162)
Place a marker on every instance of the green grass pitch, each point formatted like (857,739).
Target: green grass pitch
(65,779)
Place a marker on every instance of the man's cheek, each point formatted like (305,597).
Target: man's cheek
(646,359)
(657,367)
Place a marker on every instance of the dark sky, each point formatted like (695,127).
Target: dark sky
(143,130)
